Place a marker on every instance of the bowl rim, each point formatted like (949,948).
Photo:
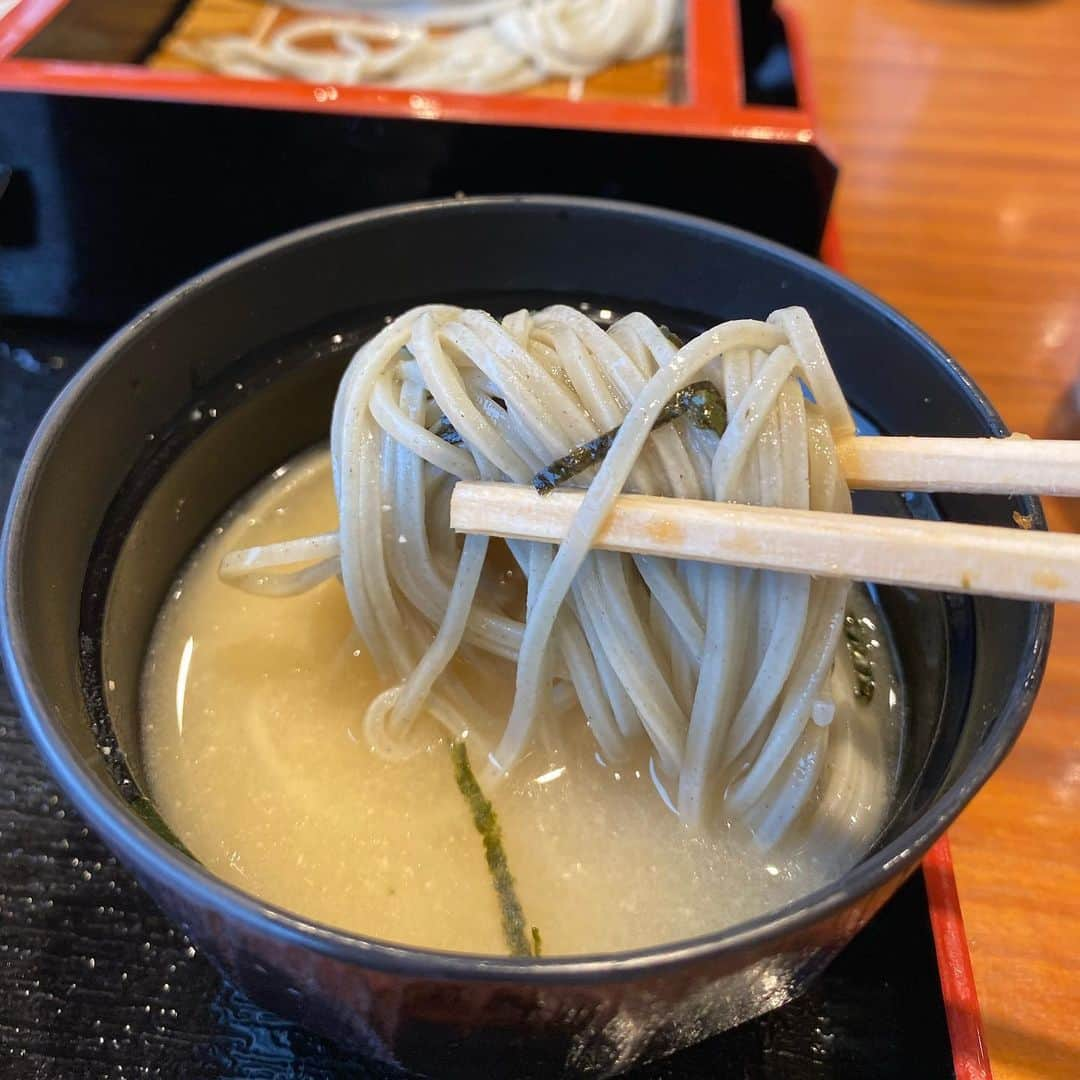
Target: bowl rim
(147,854)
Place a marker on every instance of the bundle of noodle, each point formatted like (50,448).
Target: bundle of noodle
(725,673)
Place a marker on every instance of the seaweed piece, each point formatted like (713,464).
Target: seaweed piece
(574,462)
(487,825)
(700,401)
(92,684)
(446,431)
(146,810)
(856,639)
(672,336)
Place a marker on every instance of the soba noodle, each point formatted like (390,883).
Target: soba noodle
(488,46)
(731,677)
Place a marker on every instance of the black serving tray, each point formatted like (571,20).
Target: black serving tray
(94,981)
(123,186)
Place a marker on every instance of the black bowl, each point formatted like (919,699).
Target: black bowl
(229,375)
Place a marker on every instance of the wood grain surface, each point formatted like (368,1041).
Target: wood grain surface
(957,126)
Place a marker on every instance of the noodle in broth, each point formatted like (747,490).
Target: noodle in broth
(591,688)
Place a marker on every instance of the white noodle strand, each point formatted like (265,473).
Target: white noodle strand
(723,673)
(499,46)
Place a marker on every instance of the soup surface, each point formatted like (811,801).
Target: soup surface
(255,756)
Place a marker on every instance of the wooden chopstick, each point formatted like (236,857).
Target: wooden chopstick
(984,559)
(1012,466)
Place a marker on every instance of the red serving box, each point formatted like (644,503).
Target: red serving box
(94,172)
(714,104)
(717,151)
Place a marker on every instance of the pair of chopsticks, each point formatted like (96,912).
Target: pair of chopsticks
(984,559)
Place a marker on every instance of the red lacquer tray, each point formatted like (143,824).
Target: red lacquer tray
(715,107)
(714,104)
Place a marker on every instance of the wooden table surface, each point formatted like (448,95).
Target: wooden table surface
(957,127)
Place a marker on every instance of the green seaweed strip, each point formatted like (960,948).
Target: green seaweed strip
(446,431)
(146,810)
(576,461)
(701,401)
(856,639)
(672,336)
(116,763)
(487,825)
